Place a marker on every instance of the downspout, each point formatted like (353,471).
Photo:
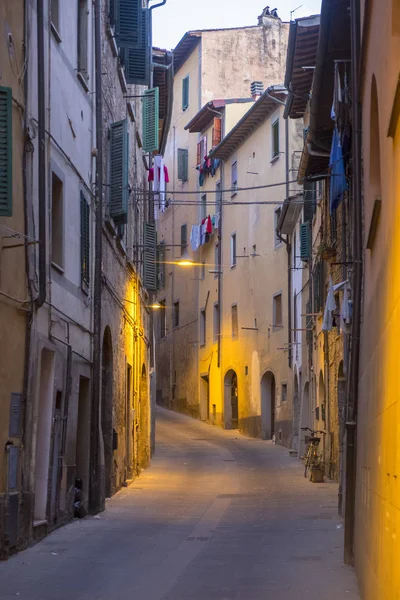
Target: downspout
(96,495)
(42,155)
(352,390)
(220,209)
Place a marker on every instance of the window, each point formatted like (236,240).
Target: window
(217,132)
(201,150)
(203,270)
(234,178)
(85,241)
(233,250)
(6,140)
(176,314)
(218,195)
(277,311)
(203,207)
(277,216)
(284,392)
(57,221)
(275,139)
(183,157)
(161,266)
(183,238)
(235,323)
(55,18)
(83,22)
(185,93)
(216,261)
(163,319)
(216,322)
(203,327)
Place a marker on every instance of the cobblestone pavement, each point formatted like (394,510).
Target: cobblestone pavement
(217,516)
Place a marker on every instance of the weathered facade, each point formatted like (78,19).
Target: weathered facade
(209,66)
(57,462)
(377,507)
(14,291)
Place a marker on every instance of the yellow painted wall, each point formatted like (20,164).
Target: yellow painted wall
(377,549)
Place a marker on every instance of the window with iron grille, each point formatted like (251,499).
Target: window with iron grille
(185,93)
(176,314)
(183,157)
(203,327)
(275,139)
(235,321)
(85,241)
(234,178)
(183,238)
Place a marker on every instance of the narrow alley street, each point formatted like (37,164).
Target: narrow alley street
(217,516)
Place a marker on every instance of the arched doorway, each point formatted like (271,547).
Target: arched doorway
(305,417)
(143,441)
(107,409)
(320,412)
(296,413)
(268,405)
(231,400)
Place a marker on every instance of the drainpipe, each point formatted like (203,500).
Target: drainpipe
(220,209)
(352,390)
(42,155)
(96,493)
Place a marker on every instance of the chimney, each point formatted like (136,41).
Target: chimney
(256,89)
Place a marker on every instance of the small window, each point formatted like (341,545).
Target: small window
(216,322)
(176,314)
(218,195)
(163,319)
(203,327)
(284,392)
(83,23)
(202,150)
(234,178)
(203,207)
(185,93)
(275,139)
(277,216)
(57,221)
(277,311)
(183,238)
(216,261)
(55,17)
(235,322)
(233,250)
(183,157)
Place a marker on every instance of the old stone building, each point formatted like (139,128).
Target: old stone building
(81,126)
(214,69)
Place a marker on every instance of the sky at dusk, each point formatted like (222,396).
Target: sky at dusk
(170,22)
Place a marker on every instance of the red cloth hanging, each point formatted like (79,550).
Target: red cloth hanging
(209,225)
(151,175)
(166,175)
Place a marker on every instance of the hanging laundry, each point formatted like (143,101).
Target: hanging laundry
(203,232)
(338,181)
(166,174)
(160,178)
(209,225)
(346,309)
(151,175)
(195,237)
(215,221)
(329,308)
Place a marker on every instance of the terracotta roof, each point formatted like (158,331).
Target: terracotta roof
(256,115)
(302,52)
(207,113)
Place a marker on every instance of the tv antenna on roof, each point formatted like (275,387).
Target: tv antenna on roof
(294,10)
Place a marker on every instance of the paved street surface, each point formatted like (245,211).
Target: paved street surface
(217,516)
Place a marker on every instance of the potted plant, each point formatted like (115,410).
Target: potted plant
(326,252)
(317,469)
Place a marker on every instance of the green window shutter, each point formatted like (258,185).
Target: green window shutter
(185,93)
(136,56)
(305,245)
(119,172)
(85,240)
(5,152)
(318,286)
(150,120)
(183,159)
(127,21)
(149,257)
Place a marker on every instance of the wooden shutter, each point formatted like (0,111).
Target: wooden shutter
(182,164)
(185,93)
(128,21)
(149,257)
(119,172)
(305,241)
(198,160)
(136,57)
(85,240)
(318,286)
(150,120)
(5,152)
(216,132)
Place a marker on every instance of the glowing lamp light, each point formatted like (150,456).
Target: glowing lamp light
(155,306)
